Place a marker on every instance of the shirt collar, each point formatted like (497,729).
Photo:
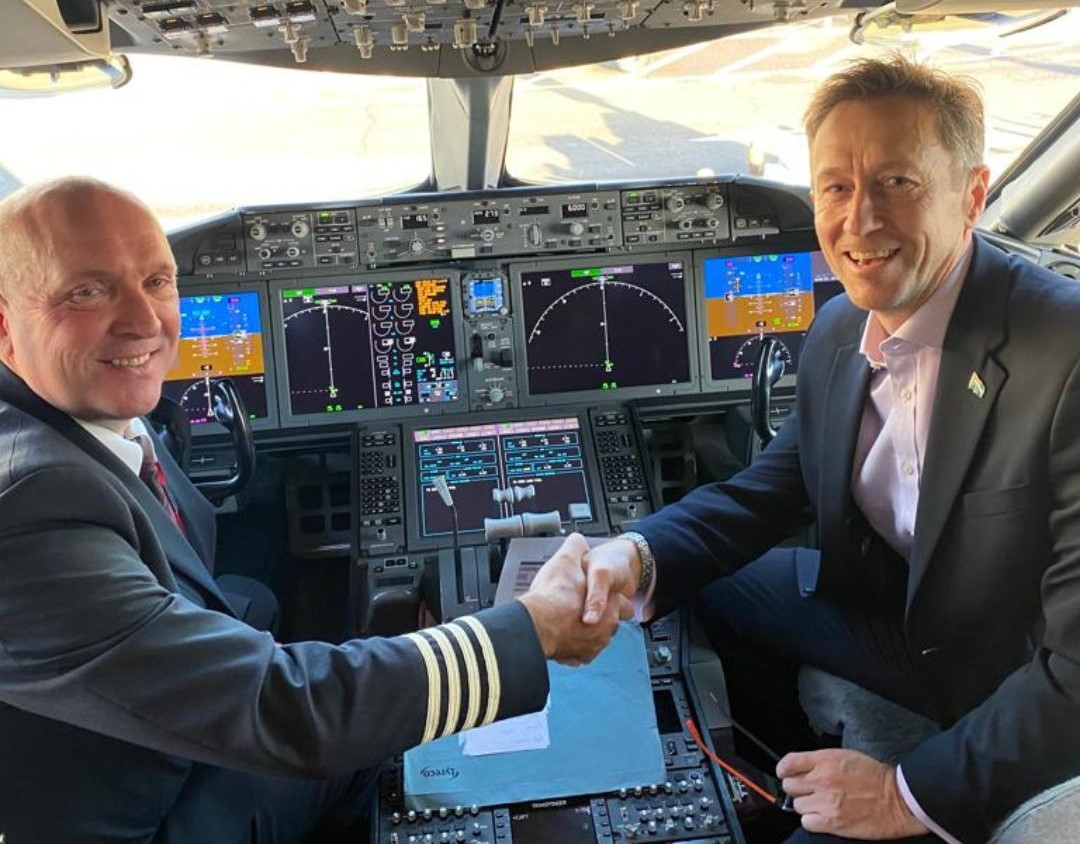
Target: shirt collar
(128,451)
(925,327)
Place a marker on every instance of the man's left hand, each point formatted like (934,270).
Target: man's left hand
(846,793)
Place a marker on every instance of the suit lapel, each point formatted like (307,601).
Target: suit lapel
(196,511)
(976,330)
(845,397)
(188,552)
(181,555)
(179,549)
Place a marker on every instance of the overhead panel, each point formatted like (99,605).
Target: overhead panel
(439,37)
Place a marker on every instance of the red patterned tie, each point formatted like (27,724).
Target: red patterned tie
(151,474)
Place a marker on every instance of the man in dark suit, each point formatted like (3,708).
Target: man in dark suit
(935,445)
(134,705)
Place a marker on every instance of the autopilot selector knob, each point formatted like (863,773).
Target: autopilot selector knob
(675,204)
(714,201)
(496,395)
(576,228)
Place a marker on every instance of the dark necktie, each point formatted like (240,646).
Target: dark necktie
(151,474)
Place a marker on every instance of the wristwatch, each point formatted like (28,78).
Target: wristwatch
(648,561)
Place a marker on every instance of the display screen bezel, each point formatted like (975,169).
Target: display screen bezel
(793,243)
(599,524)
(291,419)
(225,288)
(542,812)
(690,285)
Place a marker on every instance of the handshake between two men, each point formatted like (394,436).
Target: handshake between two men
(580,595)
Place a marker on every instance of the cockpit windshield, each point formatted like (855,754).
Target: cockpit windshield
(735,105)
(194,137)
(197,136)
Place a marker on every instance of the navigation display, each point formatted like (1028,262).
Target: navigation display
(605,327)
(477,459)
(369,345)
(220,337)
(749,296)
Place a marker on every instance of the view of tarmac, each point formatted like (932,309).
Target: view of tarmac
(195,137)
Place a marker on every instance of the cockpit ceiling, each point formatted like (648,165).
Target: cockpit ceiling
(448,38)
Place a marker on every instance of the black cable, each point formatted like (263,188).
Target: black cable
(495,18)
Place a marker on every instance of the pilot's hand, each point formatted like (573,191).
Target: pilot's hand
(613,570)
(847,794)
(555,600)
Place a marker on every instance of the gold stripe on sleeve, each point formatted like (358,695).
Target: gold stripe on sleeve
(472,674)
(491,664)
(431,663)
(453,679)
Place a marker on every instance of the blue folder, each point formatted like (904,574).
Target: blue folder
(603,736)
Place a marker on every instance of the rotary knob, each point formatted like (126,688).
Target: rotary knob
(714,201)
(300,228)
(496,395)
(576,229)
(416,247)
(675,204)
(257,231)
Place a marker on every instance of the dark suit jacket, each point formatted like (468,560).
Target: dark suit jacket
(993,585)
(123,670)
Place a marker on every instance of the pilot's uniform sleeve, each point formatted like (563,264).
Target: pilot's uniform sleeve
(90,636)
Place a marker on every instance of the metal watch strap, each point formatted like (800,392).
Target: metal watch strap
(648,561)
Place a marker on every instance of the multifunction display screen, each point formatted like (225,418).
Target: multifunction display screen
(477,459)
(220,337)
(605,327)
(566,820)
(750,296)
(371,345)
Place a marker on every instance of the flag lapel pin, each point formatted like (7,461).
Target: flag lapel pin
(976,385)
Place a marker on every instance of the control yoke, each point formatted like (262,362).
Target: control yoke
(229,411)
(769,369)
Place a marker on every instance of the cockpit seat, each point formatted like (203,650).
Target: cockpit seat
(884,730)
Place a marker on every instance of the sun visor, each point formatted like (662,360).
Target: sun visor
(34,33)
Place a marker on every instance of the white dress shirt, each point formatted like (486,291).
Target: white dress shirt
(892,439)
(129,451)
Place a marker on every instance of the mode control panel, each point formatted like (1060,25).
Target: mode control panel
(300,239)
(525,223)
(622,471)
(682,214)
(487,226)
